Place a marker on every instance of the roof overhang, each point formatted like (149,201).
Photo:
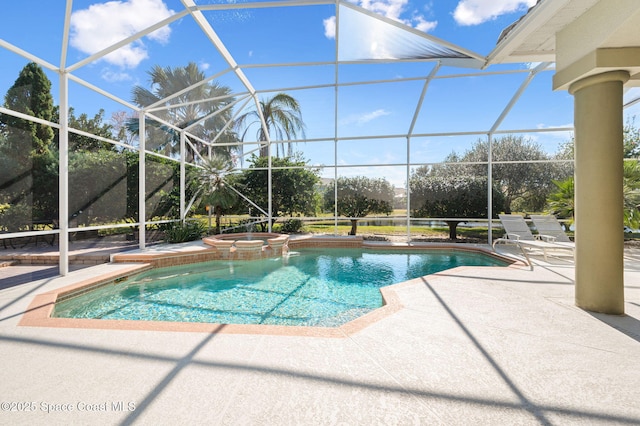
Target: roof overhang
(533,37)
(583,37)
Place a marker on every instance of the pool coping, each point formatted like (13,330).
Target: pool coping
(38,314)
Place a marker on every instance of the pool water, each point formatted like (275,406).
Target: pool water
(313,288)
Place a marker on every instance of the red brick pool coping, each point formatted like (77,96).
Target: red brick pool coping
(38,314)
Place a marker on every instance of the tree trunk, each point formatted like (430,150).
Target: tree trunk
(264,150)
(507,205)
(354,226)
(453,225)
(218,211)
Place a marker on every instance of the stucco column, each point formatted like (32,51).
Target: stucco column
(598,124)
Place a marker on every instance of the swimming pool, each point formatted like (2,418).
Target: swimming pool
(316,287)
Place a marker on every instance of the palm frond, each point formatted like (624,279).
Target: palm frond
(282,119)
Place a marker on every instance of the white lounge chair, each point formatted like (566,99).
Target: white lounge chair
(517,232)
(549,225)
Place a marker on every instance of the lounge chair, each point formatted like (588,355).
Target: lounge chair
(549,225)
(517,232)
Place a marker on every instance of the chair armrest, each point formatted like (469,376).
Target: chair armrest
(512,236)
(548,238)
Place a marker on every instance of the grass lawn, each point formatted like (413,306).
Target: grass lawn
(416,231)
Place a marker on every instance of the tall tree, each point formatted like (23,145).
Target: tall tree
(203,104)
(359,196)
(452,197)
(216,192)
(520,172)
(292,189)
(283,120)
(28,169)
(120,126)
(95,126)
(31,95)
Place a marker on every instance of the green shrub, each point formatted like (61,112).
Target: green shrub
(15,217)
(180,232)
(292,225)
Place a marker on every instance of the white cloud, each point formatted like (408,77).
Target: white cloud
(423,25)
(474,12)
(114,77)
(204,65)
(364,118)
(102,25)
(329,27)
(391,9)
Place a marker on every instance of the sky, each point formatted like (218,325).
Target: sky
(255,37)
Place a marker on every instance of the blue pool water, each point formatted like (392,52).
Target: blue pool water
(315,288)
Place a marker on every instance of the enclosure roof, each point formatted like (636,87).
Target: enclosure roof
(365,56)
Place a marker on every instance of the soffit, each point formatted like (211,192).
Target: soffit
(533,37)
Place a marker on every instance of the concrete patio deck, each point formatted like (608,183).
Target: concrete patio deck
(471,346)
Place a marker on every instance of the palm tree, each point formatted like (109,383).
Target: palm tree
(191,106)
(283,120)
(215,192)
(561,202)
